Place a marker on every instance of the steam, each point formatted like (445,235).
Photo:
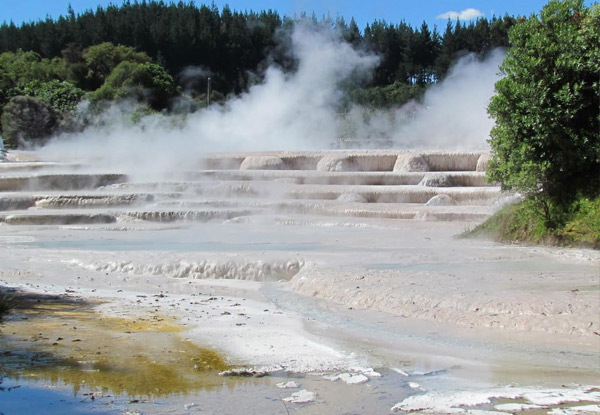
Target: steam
(284,112)
(193,75)
(296,111)
(454,113)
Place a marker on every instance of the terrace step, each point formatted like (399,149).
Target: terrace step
(360,184)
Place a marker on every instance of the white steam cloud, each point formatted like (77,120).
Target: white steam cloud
(284,112)
(289,112)
(454,113)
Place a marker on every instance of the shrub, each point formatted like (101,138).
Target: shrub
(26,121)
(526,222)
(546,141)
(144,82)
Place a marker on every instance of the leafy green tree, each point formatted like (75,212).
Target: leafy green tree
(19,70)
(27,120)
(546,141)
(103,58)
(144,82)
(62,96)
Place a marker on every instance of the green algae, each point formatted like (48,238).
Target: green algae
(56,341)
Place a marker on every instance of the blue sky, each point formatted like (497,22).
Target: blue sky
(364,11)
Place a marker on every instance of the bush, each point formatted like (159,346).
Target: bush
(546,141)
(27,120)
(526,223)
(144,82)
(102,59)
(583,227)
(62,96)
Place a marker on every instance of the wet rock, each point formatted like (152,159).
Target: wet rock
(441,200)
(349,378)
(352,198)
(189,406)
(245,372)
(302,396)
(410,162)
(335,163)
(482,162)
(414,386)
(288,385)
(262,163)
(400,371)
(436,180)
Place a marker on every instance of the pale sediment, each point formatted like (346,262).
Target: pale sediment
(351,212)
(220,268)
(455,298)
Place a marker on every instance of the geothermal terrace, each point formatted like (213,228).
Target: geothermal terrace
(332,269)
(379,184)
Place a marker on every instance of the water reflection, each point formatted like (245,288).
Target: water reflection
(62,340)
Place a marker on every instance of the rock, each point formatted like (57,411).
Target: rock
(288,385)
(482,162)
(302,396)
(335,163)
(441,200)
(351,198)
(349,378)
(262,163)
(189,406)
(400,371)
(367,371)
(244,372)
(436,180)
(410,162)
(414,386)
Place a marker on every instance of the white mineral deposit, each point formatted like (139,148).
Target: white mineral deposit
(344,280)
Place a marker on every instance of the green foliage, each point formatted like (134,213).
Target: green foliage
(394,95)
(583,227)
(102,59)
(233,44)
(62,96)
(522,222)
(526,223)
(20,69)
(144,82)
(27,120)
(546,141)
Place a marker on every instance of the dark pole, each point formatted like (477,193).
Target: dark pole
(208,93)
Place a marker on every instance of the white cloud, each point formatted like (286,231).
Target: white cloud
(467,14)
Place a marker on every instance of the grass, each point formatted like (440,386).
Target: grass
(577,225)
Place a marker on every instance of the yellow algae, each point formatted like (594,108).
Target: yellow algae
(138,325)
(209,360)
(139,356)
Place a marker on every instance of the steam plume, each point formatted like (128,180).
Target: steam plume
(289,111)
